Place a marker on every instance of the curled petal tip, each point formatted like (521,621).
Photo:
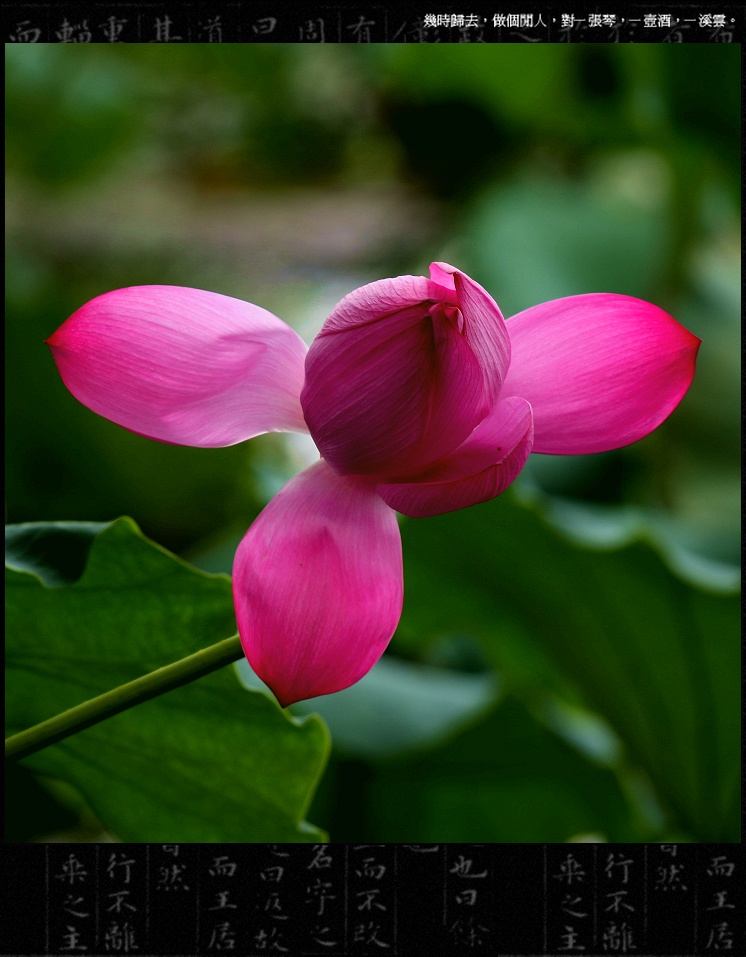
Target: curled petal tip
(442,274)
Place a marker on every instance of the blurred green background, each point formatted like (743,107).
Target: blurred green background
(289,175)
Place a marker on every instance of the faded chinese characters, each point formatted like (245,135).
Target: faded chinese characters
(469,894)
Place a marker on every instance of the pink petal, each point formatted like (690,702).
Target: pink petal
(443,275)
(417,364)
(479,470)
(484,327)
(599,370)
(399,389)
(182,365)
(376,300)
(318,584)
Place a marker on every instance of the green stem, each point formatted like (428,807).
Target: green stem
(125,696)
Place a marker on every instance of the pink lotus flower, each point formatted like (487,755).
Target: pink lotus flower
(419,396)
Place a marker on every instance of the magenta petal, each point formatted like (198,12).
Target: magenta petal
(385,297)
(599,370)
(318,584)
(442,274)
(482,468)
(182,365)
(389,395)
(484,327)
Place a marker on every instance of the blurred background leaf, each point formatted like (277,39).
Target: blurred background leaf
(504,779)
(200,763)
(609,628)
(290,174)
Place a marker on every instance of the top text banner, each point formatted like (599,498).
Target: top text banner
(289,22)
